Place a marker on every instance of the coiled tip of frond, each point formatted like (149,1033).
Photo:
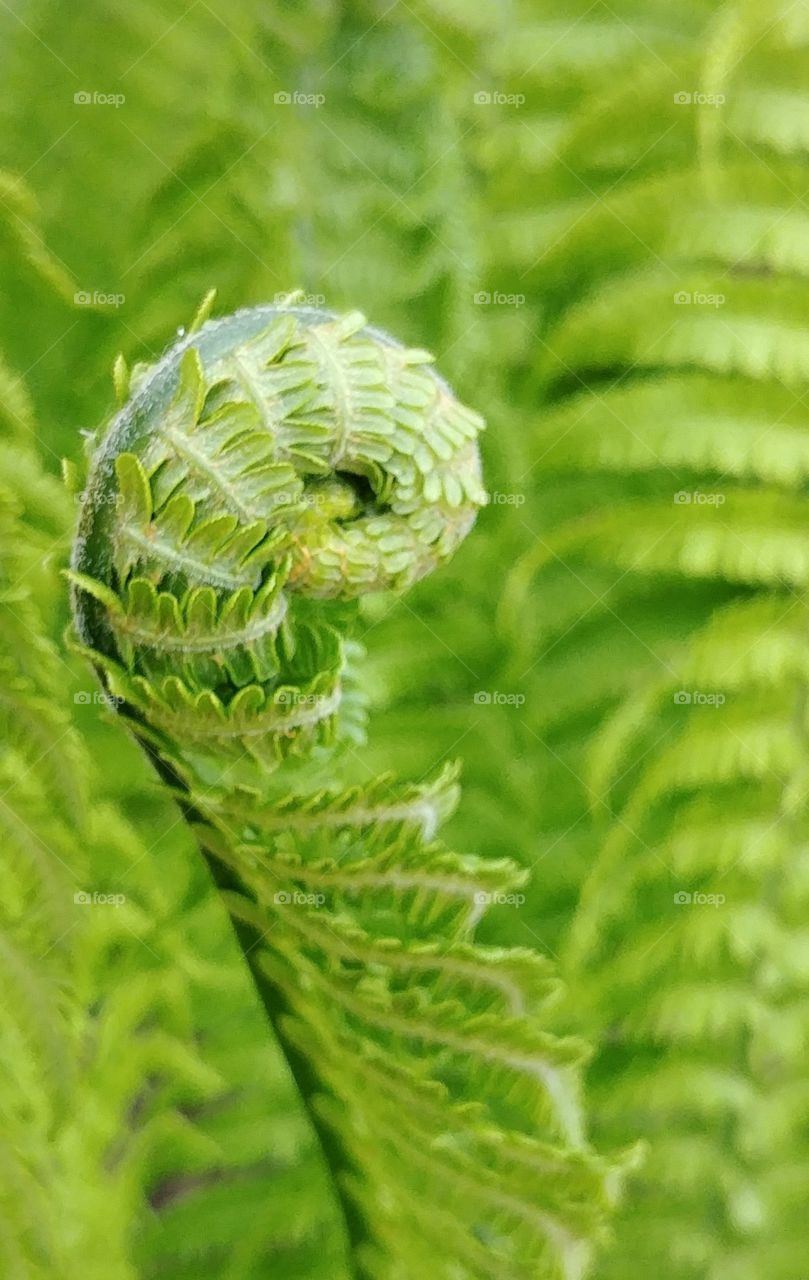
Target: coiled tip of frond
(273,457)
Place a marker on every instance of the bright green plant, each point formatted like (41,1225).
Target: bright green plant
(271,468)
(667,590)
(659,151)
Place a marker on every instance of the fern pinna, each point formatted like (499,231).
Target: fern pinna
(669,572)
(272,468)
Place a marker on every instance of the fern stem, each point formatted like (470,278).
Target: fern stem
(335,1157)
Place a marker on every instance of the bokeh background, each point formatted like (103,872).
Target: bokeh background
(595,215)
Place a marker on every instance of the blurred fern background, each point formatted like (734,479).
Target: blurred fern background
(596,215)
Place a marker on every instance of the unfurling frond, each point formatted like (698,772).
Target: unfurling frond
(270,469)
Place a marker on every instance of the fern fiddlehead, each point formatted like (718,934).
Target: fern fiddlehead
(283,456)
(272,468)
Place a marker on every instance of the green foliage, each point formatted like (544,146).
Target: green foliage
(669,474)
(591,590)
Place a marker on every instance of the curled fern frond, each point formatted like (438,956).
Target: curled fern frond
(276,457)
(272,468)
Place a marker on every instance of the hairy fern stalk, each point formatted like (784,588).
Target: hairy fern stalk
(274,467)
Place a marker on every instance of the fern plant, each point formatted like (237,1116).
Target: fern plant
(667,570)
(598,201)
(271,469)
